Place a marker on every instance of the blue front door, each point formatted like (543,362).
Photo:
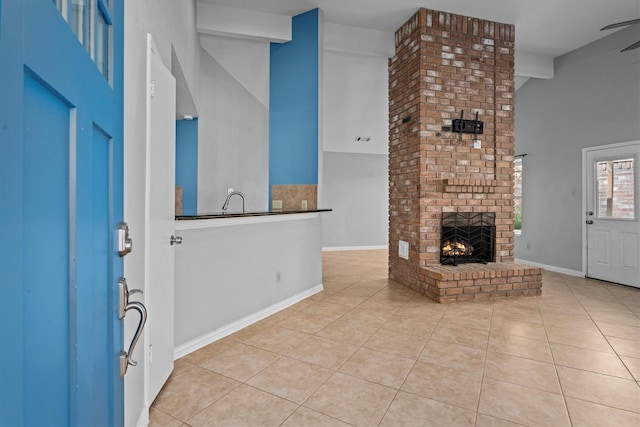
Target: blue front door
(60,201)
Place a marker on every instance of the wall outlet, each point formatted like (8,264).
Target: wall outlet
(276,204)
(229,190)
(403,249)
(304,205)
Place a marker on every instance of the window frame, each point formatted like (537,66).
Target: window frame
(636,190)
(517,175)
(97,8)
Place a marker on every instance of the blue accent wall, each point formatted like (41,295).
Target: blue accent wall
(187,164)
(293,105)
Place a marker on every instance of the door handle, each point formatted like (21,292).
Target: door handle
(126,358)
(589,221)
(175,240)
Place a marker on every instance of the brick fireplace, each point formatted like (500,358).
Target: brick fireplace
(445,64)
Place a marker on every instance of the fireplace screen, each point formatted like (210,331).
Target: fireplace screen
(467,237)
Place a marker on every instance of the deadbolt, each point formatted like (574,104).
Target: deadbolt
(125,244)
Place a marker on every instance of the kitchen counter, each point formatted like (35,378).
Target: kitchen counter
(220,215)
(232,219)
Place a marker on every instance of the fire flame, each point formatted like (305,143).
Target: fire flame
(456,248)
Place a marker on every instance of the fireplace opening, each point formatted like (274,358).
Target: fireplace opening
(467,237)
(456,247)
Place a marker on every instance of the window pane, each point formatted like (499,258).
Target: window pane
(615,189)
(102,45)
(517,193)
(80,20)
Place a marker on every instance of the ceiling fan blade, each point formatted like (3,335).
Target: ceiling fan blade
(620,24)
(633,46)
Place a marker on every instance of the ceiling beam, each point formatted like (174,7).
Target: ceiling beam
(530,65)
(241,23)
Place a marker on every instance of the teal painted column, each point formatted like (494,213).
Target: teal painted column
(187,164)
(293,105)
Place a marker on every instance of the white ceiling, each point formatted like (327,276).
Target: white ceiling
(543,27)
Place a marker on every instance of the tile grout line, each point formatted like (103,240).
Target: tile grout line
(337,370)
(484,365)
(412,367)
(603,334)
(553,358)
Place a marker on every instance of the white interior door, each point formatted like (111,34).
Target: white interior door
(160,215)
(612,223)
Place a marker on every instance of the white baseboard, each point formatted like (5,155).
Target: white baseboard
(553,268)
(143,419)
(206,339)
(353,248)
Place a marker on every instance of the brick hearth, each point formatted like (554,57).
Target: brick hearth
(446,63)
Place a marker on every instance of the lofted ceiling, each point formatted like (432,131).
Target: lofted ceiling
(543,27)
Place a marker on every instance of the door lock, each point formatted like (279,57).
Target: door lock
(175,240)
(125,244)
(589,215)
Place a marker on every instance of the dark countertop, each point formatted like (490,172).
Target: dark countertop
(220,215)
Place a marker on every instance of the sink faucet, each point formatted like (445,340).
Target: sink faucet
(226,202)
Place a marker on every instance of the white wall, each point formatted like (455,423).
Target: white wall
(354,177)
(234,100)
(225,273)
(356,187)
(593,99)
(355,103)
(233,137)
(172,25)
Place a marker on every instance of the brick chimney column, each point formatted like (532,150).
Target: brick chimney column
(446,63)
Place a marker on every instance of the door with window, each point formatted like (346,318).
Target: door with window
(612,223)
(61,191)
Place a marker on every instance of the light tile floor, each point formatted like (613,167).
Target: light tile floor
(369,352)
